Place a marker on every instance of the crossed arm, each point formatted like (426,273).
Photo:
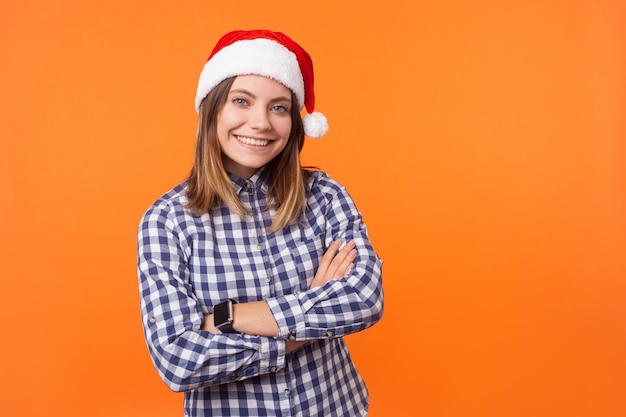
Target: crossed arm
(255,318)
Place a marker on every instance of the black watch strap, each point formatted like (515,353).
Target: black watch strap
(226,328)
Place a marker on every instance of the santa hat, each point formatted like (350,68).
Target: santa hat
(272,55)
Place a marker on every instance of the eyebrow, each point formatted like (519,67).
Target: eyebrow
(273,100)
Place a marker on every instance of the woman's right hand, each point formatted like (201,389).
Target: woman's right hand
(335,263)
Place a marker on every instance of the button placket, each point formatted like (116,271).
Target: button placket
(259,243)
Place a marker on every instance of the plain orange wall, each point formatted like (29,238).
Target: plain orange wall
(484,141)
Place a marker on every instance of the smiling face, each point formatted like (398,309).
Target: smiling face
(254,125)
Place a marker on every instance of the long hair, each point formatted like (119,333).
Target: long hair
(208,183)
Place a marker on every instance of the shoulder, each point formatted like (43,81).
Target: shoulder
(325,190)
(328,199)
(319,182)
(170,204)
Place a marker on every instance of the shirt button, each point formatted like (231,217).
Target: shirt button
(273,369)
(287,391)
(237,378)
(329,334)
(292,336)
(259,246)
(268,279)
(152,319)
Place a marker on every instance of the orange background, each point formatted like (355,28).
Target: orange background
(484,141)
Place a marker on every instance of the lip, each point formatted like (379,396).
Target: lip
(253,142)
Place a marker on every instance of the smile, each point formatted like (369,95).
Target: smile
(251,141)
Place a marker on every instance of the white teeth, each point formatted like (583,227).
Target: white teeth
(250,141)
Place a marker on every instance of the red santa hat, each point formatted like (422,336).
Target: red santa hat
(270,54)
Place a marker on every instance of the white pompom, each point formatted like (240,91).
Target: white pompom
(315,125)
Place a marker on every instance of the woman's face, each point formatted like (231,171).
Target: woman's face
(254,124)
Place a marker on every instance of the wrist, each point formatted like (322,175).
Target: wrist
(223,316)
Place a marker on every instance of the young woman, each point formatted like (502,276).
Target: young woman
(253,269)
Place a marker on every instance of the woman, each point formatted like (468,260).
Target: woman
(253,269)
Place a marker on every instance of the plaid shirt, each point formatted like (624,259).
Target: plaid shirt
(187,264)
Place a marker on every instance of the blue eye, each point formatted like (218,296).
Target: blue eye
(240,101)
(280,108)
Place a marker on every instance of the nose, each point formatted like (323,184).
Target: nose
(259,119)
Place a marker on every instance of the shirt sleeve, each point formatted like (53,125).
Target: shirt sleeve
(185,356)
(340,306)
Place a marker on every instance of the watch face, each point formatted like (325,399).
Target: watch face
(222,313)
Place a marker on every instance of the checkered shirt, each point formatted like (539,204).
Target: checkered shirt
(187,264)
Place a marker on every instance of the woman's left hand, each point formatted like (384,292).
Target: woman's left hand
(207,324)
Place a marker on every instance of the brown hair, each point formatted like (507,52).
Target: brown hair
(209,184)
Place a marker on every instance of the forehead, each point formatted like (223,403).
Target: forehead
(259,85)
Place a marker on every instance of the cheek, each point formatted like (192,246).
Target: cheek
(229,119)
(284,127)
(223,122)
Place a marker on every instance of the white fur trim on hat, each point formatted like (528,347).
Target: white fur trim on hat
(257,56)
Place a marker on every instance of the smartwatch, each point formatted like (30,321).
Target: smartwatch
(223,316)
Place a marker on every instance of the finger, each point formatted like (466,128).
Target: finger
(337,268)
(328,257)
(346,265)
(321,276)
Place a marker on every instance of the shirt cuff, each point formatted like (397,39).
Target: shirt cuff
(272,353)
(289,316)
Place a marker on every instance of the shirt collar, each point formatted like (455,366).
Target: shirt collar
(259,180)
